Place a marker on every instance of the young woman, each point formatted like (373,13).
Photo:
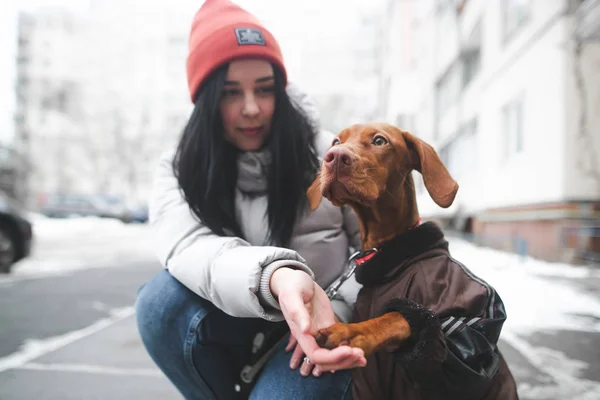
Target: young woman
(242,252)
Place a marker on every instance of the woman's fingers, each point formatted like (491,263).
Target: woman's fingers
(317,371)
(321,356)
(339,359)
(347,364)
(291,343)
(297,357)
(355,359)
(306,368)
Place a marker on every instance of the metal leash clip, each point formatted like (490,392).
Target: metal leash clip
(332,290)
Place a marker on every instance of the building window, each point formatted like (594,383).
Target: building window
(471,64)
(447,90)
(470,54)
(460,155)
(516,13)
(513,115)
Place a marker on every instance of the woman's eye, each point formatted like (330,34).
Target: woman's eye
(230,92)
(335,142)
(379,141)
(266,90)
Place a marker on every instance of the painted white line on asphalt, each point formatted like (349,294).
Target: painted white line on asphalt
(33,349)
(91,369)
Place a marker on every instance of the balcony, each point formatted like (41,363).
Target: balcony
(587,20)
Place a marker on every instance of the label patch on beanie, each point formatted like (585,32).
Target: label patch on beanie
(249,36)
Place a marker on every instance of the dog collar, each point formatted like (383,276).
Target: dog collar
(362,256)
(394,254)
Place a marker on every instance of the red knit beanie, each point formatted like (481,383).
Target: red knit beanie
(222,31)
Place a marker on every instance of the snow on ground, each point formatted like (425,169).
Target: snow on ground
(539,296)
(533,292)
(65,245)
(534,295)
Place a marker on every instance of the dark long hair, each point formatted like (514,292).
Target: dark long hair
(206,169)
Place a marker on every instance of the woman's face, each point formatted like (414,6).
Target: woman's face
(247,103)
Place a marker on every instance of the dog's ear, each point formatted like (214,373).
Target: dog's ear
(314,193)
(440,185)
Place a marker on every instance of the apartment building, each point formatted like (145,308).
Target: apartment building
(47,94)
(509,93)
(101,92)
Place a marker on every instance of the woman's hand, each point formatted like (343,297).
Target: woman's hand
(307,309)
(298,358)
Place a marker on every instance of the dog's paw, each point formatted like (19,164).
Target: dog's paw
(334,336)
(343,334)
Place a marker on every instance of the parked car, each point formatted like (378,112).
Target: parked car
(65,206)
(16,233)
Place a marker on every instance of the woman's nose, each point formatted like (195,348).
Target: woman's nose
(251,108)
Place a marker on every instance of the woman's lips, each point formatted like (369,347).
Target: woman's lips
(250,131)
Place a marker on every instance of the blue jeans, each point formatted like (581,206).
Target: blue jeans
(201,349)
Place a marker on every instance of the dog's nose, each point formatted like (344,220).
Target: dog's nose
(338,155)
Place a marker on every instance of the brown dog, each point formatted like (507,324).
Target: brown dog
(428,326)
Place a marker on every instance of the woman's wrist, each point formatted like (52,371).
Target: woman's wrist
(266,295)
(279,277)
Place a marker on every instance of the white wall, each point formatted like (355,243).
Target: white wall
(533,64)
(536,174)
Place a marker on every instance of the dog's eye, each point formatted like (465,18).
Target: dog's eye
(336,141)
(379,141)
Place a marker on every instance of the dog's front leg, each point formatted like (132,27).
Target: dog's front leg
(388,331)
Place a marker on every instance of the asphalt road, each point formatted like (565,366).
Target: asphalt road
(73,336)
(94,351)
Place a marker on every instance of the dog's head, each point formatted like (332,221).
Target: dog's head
(366,161)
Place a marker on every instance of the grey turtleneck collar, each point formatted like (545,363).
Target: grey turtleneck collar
(252,171)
